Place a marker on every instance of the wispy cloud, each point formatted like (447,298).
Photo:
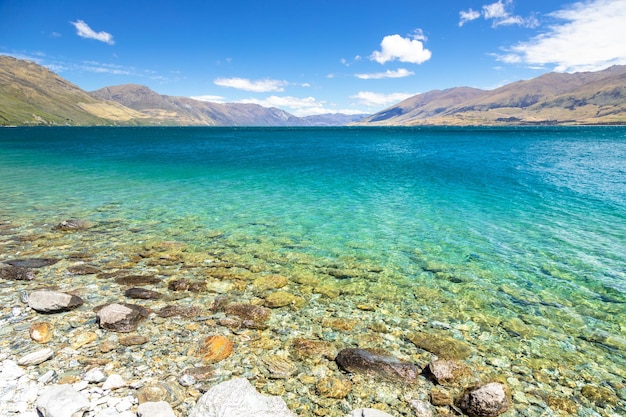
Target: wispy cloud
(395,47)
(399,73)
(500,13)
(590,37)
(258,86)
(84,31)
(371,99)
(209,98)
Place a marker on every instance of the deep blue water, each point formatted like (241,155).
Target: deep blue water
(532,220)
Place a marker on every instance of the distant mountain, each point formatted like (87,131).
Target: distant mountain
(32,95)
(169,110)
(333,119)
(553,98)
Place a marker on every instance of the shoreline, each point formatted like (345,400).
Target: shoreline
(316,309)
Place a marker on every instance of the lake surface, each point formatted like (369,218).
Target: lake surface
(513,239)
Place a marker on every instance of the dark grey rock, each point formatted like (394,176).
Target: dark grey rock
(377,363)
(32,262)
(45,301)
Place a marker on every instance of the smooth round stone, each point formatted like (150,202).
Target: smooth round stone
(113,382)
(133,340)
(45,301)
(32,263)
(35,358)
(155,409)
(169,391)
(121,317)
(95,376)
(282,299)
(486,401)
(41,332)
(142,294)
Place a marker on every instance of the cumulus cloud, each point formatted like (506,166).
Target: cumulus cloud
(395,47)
(371,99)
(590,37)
(84,31)
(258,86)
(399,73)
(500,13)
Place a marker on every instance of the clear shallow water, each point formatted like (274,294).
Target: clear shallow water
(484,225)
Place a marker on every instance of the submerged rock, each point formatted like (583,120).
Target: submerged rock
(46,301)
(238,397)
(135,280)
(486,401)
(32,262)
(17,273)
(333,387)
(305,348)
(215,349)
(253,313)
(41,332)
(168,391)
(445,371)
(83,270)
(120,317)
(73,225)
(377,363)
(443,346)
(142,294)
(35,358)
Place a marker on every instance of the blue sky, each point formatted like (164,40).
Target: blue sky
(312,56)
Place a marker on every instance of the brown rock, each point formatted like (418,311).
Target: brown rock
(17,273)
(563,404)
(340,324)
(448,371)
(120,317)
(107,346)
(168,391)
(142,294)
(282,299)
(485,401)
(256,314)
(442,346)
(133,340)
(279,367)
(377,363)
(313,349)
(440,396)
(600,396)
(83,339)
(41,332)
(137,280)
(178,285)
(32,262)
(269,282)
(200,373)
(215,349)
(332,387)
(173,310)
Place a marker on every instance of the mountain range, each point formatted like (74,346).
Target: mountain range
(33,95)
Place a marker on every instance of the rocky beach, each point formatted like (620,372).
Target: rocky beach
(102,318)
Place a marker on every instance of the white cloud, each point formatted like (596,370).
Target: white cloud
(84,31)
(258,86)
(500,13)
(399,73)
(306,106)
(371,99)
(590,38)
(395,47)
(209,98)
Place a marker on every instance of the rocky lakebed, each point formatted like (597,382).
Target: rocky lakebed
(98,319)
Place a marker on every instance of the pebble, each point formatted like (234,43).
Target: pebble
(37,357)
(41,332)
(377,363)
(121,317)
(45,301)
(489,400)
(215,349)
(94,376)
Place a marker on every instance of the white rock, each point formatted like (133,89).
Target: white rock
(61,401)
(114,381)
(368,412)
(155,409)
(80,385)
(9,370)
(238,397)
(95,376)
(124,405)
(36,357)
(47,377)
(421,408)
(46,301)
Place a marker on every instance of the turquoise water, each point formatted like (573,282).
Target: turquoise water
(523,223)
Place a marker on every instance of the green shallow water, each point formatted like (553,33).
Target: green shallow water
(520,232)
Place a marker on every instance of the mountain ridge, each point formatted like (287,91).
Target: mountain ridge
(33,95)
